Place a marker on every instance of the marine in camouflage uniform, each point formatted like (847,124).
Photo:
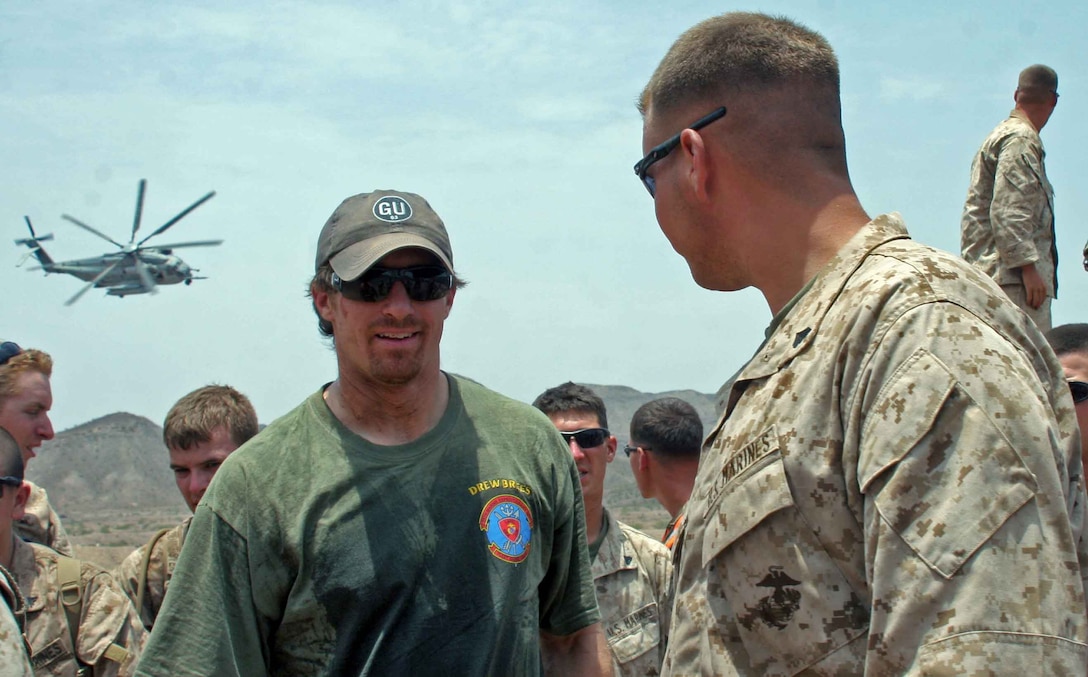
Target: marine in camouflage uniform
(1008,217)
(109,637)
(165,549)
(632,573)
(893,487)
(14,661)
(41,524)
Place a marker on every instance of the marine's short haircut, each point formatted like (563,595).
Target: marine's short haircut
(11,456)
(27,361)
(1069,338)
(738,52)
(571,397)
(668,426)
(194,418)
(1036,84)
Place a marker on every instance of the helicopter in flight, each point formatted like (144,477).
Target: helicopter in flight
(137,268)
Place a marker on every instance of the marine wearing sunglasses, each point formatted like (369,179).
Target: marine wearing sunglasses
(660,151)
(422,283)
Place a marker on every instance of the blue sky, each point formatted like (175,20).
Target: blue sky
(515,120)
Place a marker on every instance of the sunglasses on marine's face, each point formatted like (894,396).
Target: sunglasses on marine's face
(1079,391)
(9,481)
(422,283)
(586,438)
(660,151)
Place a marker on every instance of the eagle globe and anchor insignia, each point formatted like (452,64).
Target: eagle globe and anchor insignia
(509,527)
(777,609)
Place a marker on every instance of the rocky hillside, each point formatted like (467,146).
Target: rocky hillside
(117,461)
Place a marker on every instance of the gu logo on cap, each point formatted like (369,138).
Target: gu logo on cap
(392,209)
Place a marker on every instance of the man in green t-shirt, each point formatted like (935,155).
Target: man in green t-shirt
(401,520)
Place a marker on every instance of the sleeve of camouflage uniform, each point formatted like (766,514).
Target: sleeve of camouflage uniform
(1019,200)
(127,575)
(108,622)
(14,661)
(41,524)
(968,544)
(165,546)
(211,622)
(13,658)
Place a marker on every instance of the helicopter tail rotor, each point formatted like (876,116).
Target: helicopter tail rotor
(33,244)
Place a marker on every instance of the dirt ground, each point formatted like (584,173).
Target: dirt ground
(106,537)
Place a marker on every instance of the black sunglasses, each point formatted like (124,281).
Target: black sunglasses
(1079,391)
(8,350)
(9,481)
(661,150)
(423,283)
(586,438)
(628,449)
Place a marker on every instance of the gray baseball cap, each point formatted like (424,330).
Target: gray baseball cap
(366,227)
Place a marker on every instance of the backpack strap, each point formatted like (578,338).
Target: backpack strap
(145,562)
(71,594)
(70,584)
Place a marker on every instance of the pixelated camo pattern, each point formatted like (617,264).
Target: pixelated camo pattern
(1008,217)
(106,617)
(632,574)
(41,524)
(160,567)
(894,488)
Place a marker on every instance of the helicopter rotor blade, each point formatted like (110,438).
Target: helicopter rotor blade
(179,217)
(31,227)
(195,243)
(84,226)
(87,287)
(145,276)
(139,210)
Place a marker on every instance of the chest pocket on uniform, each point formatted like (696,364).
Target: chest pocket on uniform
(944,500)
(635,634)
(791,604)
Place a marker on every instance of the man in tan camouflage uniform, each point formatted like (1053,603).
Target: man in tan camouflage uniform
(14,661)
(666,439)
(77,620)
(200,431)
(25,401)
(1007,229)
(893,486)
(631,571)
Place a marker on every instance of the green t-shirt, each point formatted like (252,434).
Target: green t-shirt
(315,552)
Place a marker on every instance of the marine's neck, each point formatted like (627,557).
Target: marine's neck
(594,520)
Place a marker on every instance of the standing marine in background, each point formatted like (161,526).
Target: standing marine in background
(1007,229)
